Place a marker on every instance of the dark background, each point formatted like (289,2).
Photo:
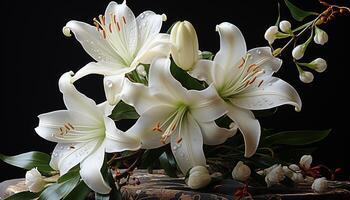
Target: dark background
(35,53)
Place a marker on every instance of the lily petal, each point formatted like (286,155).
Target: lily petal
(202,71)
(232,45)
(113,86)
(90,171)
(101,69)
(161,79)
(189,152)
(159,46)
(262,57)
(52,126)
(139,96)
(66,156)
(149,25)
(144,126)
(249,126)
(206,104)
(273,92)
(93,43)
(105,108)
(214,135)
(127,23)
(74,100)
(116,140)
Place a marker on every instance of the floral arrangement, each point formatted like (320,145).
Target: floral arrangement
(195,111)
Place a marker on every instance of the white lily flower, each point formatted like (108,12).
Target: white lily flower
(244,80)
(305,161)
(119,42)
(84,132)
(171,113)
(275,176)
(320,185)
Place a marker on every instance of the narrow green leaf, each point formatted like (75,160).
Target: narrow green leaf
(62,188)
(23,196)
(298,13)
(123,111)
(207,55)
(29,160)
(80,192)
(168,163)
(302,137)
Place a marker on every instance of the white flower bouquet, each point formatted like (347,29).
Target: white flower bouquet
(194,111)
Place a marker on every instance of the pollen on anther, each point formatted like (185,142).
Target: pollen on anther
(251,66)
(70,125)
(157,128)
(179,140)
(124,20)
(104,34)
(252,81)
(241,63)
(260,83)
(114,19)
(110,27)
(118,26)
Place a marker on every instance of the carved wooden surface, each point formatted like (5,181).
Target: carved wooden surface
(158,186)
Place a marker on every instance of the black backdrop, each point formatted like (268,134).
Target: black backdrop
(35,53)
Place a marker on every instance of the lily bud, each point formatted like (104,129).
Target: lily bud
(291,170)
(306,77)
(298,52)
(305,161)
(271,34)
(275,176)
(297,177)
(141,70)
(198,177)
(241,172)
(321,37)
(34,181)
(285,26)
(319,65)
(320,185)
(184,45)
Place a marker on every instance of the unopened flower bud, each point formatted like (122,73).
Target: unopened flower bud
(198,177)
(306,77)
(241,172)
(34,181)
(184,45)
(321,37)
(285,26)
(298,52)
(319,65)
(320,185)
(275,176)
(271,34)
(290,170)
(141,70)
(297,177)
(305,161)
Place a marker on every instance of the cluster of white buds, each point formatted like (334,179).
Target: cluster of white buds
(272,33)
(319,65)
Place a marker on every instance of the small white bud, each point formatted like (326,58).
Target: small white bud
(320,185)
(198,177)
(270,34)
(285,26)
(275,176)
(241,172)
(141,70)
(66,31)
(319,65)
(306,77)
(305,161)
(184,48)
(298,52)
(34,181)
(321,37)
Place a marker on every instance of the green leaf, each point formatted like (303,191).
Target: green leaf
(298,13)
(123,111)
(302,137)
(23,196)
(29,160)
(207,55)
(62,188)
(80,192)
(150,156)
(184,78)
(168,163)
(101,196)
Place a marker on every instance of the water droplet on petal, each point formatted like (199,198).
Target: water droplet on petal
(109,83)
(142,15)
(174,148)
(258,52)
